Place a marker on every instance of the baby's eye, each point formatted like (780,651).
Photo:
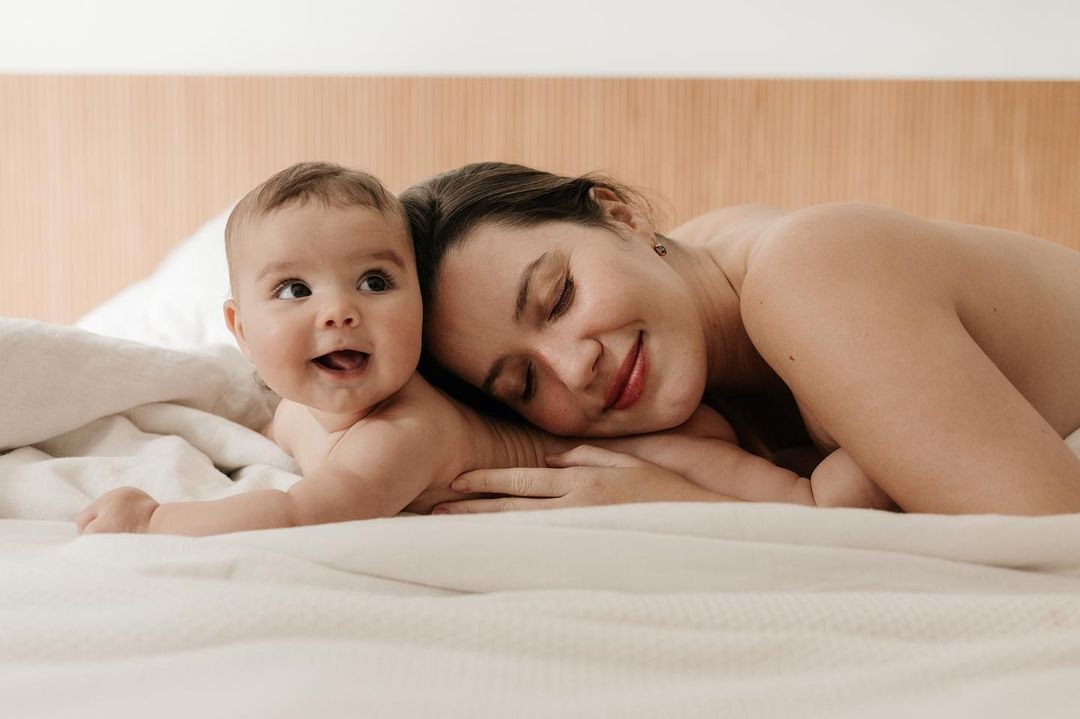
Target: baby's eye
(375,282)
(292,290)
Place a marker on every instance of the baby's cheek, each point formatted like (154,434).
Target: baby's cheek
(408,337)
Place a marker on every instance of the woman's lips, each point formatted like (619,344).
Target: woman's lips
(629,382)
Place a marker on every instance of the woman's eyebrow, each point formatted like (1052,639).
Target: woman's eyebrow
(519,310)
(492,375)
(523,287)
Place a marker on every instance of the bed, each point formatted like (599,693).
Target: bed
(116,369)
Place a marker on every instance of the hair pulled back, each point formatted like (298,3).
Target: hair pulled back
(443,209)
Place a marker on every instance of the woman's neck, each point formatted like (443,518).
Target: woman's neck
(714,273)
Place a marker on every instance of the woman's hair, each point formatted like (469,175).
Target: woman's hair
(443,209)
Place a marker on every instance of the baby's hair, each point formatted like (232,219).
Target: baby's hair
(332,184)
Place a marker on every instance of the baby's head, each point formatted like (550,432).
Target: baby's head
(325,299)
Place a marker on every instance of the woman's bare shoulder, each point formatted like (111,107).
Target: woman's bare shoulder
(847,247)
(714,225)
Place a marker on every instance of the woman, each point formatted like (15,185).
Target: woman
(942,357)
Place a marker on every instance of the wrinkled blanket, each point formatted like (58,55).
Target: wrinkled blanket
(651,610)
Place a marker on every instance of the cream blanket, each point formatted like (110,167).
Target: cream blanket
(653,610)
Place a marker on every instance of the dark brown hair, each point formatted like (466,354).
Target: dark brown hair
(333,185)
(443,209)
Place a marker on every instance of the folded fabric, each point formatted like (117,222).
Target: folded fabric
(83,414)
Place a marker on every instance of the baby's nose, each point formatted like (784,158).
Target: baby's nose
(343,321)
(340,314)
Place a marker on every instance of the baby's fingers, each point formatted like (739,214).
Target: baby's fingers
(85,517)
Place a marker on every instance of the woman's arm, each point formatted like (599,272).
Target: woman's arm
(584,476)
(697,461)
(718,465)
(855,308)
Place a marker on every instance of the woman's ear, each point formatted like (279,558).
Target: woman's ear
(621,212)
(234,323)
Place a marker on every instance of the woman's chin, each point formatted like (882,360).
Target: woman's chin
(628,424)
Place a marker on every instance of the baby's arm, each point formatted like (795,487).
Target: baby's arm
(373,472)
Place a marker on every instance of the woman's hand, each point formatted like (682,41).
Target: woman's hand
(583,476)
(124,509)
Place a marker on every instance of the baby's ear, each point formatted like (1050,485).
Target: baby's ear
(234,323)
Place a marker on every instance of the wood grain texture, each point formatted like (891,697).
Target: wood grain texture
(100,176)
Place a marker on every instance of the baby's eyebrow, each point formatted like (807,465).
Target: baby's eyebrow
(390,256)
(276,268)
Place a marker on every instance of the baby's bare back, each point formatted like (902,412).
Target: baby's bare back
(406,452)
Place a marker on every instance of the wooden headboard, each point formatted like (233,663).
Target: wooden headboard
(100,176)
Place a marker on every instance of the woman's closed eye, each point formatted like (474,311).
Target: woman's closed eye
(562,303)
(528,385)
(566,296)
(291,290)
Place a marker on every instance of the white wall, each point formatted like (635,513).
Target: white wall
(815,38)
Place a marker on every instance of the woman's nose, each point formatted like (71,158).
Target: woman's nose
(576,363)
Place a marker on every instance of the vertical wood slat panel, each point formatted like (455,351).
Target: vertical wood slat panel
(100,176)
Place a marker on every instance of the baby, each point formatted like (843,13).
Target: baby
(326,305)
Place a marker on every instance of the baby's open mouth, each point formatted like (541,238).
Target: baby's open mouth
(342,360)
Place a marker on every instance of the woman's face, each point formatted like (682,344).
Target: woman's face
(583,331)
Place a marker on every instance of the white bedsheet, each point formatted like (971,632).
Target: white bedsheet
(658,610)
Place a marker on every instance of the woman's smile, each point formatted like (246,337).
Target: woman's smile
(628,384)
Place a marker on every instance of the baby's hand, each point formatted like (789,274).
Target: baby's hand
(125,509)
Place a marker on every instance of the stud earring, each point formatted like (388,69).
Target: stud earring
(659,247)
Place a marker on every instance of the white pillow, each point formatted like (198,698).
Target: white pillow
(179,305)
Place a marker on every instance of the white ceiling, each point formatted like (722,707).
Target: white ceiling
(817,38)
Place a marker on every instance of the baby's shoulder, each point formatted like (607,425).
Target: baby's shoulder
(416,403)
(416,410)
(408,426)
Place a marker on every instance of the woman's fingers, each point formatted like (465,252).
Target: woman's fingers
(498,504)
(587,455)
(518,481)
